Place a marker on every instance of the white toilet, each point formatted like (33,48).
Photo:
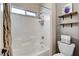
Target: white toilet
(65,47)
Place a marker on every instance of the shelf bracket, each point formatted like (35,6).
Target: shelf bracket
(71,16)
(63,17)
(63,25)
(71,25)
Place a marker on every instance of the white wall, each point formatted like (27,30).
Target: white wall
(53,29)
(49,28)
(45,29)
(1,30)
(35,7)
(25,34)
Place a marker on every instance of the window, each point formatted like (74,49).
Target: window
(30,13)
(18,11)
(23,12)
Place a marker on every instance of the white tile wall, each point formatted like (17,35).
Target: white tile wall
(25,34)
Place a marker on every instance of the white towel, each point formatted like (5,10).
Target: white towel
(66,39)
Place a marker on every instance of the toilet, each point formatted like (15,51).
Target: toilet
(65,46)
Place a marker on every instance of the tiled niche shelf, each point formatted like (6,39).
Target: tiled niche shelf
(69,22)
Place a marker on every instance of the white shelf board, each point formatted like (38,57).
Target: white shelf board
(72,22)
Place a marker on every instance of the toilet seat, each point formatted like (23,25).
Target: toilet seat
(59,54)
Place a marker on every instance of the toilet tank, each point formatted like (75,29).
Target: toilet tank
(66,49)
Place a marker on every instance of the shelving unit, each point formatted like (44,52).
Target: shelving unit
(69,22)
(69,15)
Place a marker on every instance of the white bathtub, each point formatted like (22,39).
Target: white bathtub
(42,53)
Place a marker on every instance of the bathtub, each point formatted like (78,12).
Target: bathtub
(42,53)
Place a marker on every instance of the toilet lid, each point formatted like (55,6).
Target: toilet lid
(59,54)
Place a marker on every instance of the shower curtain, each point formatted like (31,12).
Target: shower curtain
(6,51)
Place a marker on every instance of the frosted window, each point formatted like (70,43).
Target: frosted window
(18,11)
(23,12)
(30,13)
